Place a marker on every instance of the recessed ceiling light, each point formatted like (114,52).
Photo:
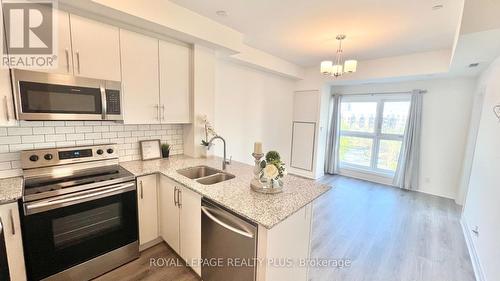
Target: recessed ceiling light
(437,7)
(474,64)
(221,13)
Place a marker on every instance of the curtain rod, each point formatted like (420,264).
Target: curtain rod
(386,93)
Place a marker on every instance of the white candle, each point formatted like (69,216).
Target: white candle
(257,148)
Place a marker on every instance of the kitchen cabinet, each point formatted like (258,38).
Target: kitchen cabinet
(64,57)
(175,94)
(96,49)
(9,216)
(7,115)
(147,201)
(180,220)
(140,85)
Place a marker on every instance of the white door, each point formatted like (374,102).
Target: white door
(175,94)
(96,49)
(303,135)
(169,213)
(11,227)
(190,227)
(140,85)
(147,199)
(306,106)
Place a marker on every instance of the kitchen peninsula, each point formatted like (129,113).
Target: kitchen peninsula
(283,220)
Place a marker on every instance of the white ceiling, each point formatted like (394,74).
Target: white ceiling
(303,31)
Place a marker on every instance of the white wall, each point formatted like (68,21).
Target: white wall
(482,206)
(446,113)
(252,105)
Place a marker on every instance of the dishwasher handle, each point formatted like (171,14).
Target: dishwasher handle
(207,212)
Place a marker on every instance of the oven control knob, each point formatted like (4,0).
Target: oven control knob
(34,158)
(48,156)
(100,151)
(110,150)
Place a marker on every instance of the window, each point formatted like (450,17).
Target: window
(371,132)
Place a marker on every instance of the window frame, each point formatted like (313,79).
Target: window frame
(376,136)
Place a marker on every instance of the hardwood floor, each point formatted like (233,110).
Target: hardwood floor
(141,269)
(386,233)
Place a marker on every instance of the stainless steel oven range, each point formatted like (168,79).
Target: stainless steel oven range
(79,212)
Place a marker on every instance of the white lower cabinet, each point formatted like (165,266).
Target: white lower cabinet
(11,227)
(180,220)
(147,202)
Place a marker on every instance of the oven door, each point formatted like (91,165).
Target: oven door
(65,231)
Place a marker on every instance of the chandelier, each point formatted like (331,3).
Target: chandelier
(340,67)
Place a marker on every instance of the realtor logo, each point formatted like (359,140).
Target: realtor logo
(29,40)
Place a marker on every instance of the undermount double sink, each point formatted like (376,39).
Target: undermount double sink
(205,175)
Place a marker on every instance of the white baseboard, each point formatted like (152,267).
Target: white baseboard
(476,263)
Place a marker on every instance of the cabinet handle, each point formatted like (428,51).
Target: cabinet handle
(163,112)
(142,190)
(78,61)
(6,104)
(12,222)
(67,59)
(179,198)
(157,106)
(175,195)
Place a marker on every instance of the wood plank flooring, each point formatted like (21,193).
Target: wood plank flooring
(386,233)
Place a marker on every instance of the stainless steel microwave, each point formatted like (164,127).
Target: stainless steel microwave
(49,96)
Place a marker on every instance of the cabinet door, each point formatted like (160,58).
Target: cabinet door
(64,57)
(305,106)
(190,227)
(147,199)
(13,242)
(169,213)
(175,94)
(96,49)
(139,56)
(7,115)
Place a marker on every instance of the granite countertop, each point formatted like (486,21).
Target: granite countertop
(11,189)
(235,194)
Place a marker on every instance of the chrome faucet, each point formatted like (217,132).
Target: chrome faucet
(225,161)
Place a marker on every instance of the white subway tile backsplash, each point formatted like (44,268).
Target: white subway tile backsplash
(33,139)
(65,130)
(84,129)
(19,131)
(50,138)
(74,137)
(50,134)
(43,130)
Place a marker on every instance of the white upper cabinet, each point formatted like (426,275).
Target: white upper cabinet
(140,85)
(7,115)
(64,56)
(96,49)
(175,85)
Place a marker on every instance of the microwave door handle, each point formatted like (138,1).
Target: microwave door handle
(104,104)
(31,208)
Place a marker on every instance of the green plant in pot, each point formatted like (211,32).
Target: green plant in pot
(165,150)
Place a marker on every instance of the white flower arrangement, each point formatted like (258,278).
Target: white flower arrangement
(272,168)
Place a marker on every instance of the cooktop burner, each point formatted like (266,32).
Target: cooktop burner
(51,183)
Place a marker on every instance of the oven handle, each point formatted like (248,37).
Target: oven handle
(37,207)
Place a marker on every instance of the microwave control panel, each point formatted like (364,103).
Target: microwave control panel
(113,102)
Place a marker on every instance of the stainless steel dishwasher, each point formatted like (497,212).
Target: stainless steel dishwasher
(228,245)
